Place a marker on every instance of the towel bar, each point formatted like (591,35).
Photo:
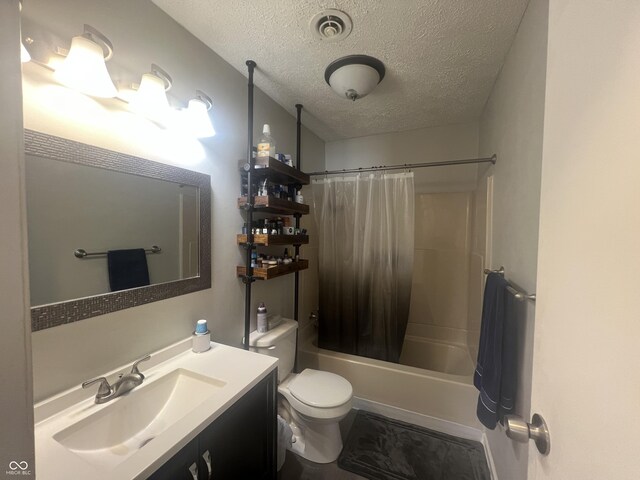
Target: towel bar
(521,296)
(82,253)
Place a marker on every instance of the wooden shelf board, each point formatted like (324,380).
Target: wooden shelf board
(275,205)
(275,271)
(266,240)
(276,171)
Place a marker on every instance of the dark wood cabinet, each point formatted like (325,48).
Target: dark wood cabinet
(240,444)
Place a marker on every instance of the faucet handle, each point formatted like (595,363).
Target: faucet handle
(134,368)
(104,390)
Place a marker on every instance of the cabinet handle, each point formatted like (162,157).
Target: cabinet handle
(193,469)
(207,459)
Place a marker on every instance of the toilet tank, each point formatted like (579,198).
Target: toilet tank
(279,342)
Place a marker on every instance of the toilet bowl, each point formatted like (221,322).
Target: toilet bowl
(312,402)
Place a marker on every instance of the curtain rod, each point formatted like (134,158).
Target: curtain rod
(492,159)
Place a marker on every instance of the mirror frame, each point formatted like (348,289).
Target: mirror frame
(55,148)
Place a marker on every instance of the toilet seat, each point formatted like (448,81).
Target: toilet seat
(317,395)
(320,389)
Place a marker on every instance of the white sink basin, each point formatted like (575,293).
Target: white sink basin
(111,435)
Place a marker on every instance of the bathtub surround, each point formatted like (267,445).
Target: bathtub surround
(365,225)
(139,31)
(439,301)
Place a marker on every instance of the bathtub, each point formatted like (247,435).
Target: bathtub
(442,394)
(437,356)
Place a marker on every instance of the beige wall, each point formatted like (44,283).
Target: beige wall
(586,380)
(141,34)
(16,401)
(512,127)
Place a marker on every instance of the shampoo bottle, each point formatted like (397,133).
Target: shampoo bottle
(262,318)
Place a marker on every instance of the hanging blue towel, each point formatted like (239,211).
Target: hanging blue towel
(496,370)
(127,269)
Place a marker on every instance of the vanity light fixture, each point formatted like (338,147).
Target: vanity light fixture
(354,76)
(84,67)
(197,114)
(151,97)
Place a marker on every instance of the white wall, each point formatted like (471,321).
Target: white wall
(512,127)
(586,380)
(16,401)
(141,33)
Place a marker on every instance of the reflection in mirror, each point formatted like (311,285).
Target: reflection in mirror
(72,206)
(102,224)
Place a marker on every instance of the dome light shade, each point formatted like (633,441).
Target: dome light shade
(84,68)
(354,76)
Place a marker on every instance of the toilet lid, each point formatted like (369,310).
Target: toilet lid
(321,389)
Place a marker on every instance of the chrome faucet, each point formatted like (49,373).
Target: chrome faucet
(124,384)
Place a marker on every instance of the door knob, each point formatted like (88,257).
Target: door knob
(520,431)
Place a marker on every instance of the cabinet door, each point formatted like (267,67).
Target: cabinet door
(241,443)
(182,466)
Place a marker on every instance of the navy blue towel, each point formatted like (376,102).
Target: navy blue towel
(127,269)
(496,370)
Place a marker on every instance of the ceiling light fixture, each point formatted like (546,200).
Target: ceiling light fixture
(84,68)
(197,114)
(354,76)
(151,97)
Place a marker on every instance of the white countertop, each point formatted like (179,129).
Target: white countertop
(239,369)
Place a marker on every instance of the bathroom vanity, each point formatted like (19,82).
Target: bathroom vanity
(195,417)
(238,444)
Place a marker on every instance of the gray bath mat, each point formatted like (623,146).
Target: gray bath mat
(384,449)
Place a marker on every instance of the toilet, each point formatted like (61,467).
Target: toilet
(312,402)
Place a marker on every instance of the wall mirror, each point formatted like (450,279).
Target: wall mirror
(109,231)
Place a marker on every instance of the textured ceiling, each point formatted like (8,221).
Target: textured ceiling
(441,56)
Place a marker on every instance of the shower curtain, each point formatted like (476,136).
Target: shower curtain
(365,229)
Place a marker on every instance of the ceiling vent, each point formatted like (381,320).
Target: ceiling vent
(331,25)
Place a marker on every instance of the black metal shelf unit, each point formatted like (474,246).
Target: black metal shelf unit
(251,205)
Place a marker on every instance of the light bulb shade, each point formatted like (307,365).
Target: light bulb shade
(198,121)
(354,76)
(151,99)
(24,54)
(84,69)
